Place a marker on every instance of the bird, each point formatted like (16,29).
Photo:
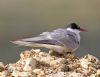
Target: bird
(60,40)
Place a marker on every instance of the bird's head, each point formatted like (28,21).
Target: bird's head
(73,27)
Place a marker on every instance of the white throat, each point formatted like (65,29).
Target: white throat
(73,30)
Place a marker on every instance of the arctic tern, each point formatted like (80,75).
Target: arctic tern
(60,40)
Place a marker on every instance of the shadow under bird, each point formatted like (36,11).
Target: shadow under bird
(60,40)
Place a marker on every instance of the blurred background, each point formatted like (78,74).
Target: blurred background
(28,18)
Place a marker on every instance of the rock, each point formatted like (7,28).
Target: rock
(98,73)
(4,74)
(84,63)
(16,73)
(25,54)
(1,66)
(58,61)
(35,63)
(91,58)
(75,74)
(59,74)
(11,67)
(30,64)
(39,72)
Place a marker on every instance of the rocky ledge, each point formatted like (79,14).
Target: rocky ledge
(35,63)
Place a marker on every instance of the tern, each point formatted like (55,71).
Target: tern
(60,40)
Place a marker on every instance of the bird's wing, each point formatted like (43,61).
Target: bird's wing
(67,38)
(44,38)
(58,37)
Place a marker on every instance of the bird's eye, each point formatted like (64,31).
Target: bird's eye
(78,27)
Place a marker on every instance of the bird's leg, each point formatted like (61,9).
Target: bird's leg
(54,53)
(67,52)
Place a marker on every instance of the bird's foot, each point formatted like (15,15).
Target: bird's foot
(70,55)
(54,53)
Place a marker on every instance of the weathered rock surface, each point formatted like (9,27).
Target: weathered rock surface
(35,63)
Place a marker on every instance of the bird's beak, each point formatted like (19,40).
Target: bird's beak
(81,29)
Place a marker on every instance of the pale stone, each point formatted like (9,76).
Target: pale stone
(98,73)
(74,74)
(38,71)
(91,58)
(4,74)
(84,63)
(58,61)
(1,64)
(11,67)
(25,54)
(30,64)
(16,73)
(59,74)
(35,63)
(92,75)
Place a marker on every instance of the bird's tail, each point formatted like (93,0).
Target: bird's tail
(21,43)
(27,41)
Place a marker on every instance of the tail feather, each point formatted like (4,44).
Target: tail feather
(21,43)
(37,42)
(27,41)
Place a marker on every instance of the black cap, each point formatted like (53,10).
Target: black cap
(74,26)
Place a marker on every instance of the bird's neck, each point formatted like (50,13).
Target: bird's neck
(76,32)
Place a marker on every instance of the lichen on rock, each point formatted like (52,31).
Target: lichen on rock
(35,63)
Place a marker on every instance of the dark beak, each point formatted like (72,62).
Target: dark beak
(81,29)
